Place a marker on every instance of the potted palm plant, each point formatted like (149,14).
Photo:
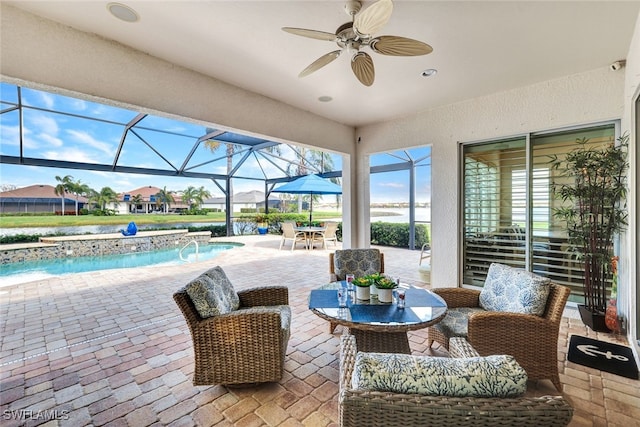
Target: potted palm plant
(594,212)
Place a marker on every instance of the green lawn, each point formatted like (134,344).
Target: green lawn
(10,221)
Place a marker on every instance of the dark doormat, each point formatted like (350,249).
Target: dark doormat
(602,355)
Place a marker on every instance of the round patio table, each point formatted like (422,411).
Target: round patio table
(379,327)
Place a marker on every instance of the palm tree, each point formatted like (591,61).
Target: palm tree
(189,195)
(165,197)
(201,194)
(213,146)
(78,189)
(136,200)
(105,196)
(64,186)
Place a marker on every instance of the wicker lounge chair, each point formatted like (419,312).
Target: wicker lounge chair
(531,339)
(244,346)
(358,407)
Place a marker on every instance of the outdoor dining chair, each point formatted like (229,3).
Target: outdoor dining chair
(289,233)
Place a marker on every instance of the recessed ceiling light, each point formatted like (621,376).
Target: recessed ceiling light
(430,72)
(325,98)
(122,12)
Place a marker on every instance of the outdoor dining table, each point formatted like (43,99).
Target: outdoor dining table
(379,327)
(309,234)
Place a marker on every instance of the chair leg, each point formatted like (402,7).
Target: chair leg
(281,243)
(556,382)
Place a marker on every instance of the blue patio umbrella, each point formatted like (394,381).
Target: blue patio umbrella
(309,184)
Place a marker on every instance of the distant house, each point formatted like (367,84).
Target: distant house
(38,199)
(149,202)
(248,199)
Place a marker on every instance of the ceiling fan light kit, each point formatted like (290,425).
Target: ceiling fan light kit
(354,35)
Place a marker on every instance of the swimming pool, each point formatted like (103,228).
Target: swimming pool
(33,270)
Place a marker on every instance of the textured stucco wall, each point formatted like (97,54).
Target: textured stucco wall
(573,100)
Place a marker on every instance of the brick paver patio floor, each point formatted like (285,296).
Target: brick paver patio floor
(111,348)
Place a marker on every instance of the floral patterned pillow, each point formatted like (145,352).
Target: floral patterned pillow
(491,376)
(212,293)
(359,262)
(514,290)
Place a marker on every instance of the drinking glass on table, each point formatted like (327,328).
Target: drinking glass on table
(350,286)
(342,297)
(401,297)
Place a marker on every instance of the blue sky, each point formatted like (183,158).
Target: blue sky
(56,128)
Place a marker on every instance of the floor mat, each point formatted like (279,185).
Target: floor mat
(602,355)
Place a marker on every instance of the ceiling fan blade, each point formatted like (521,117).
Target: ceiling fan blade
(399,46)
(320,62)
(373,18)
(313,34)
(362,66)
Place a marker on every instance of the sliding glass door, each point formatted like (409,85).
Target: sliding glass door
(508,205)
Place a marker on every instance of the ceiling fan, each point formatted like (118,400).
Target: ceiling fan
(354,35)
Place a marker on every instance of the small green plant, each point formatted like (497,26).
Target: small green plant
(362,282)
(386,283)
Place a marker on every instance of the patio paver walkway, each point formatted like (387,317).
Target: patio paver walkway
(111,348)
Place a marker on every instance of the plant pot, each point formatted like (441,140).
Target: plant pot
(363,292)
(263,230)
(373,291)
(385,295)
(594,320)
(611,316)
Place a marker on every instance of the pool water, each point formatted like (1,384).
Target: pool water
(33,270)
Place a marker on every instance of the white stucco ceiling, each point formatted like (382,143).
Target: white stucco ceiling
(479,47)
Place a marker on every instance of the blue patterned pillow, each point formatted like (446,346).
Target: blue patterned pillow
(359,262)
(212,293)
(491,376)
(514,290)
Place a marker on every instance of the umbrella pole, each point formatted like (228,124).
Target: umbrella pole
(310,208)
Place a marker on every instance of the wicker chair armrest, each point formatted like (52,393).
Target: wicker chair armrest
(348,352)
(264,295)
(459,297)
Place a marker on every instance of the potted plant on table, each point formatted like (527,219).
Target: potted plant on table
(385,287)
(362,288)
(595,212)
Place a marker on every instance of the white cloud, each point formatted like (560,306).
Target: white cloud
(50,140)
(85,138)
(392,185)
(70,154)
(42,124)
(48,100)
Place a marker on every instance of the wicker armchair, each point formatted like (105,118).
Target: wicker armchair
(531,339)
(385,409)
(244,346)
